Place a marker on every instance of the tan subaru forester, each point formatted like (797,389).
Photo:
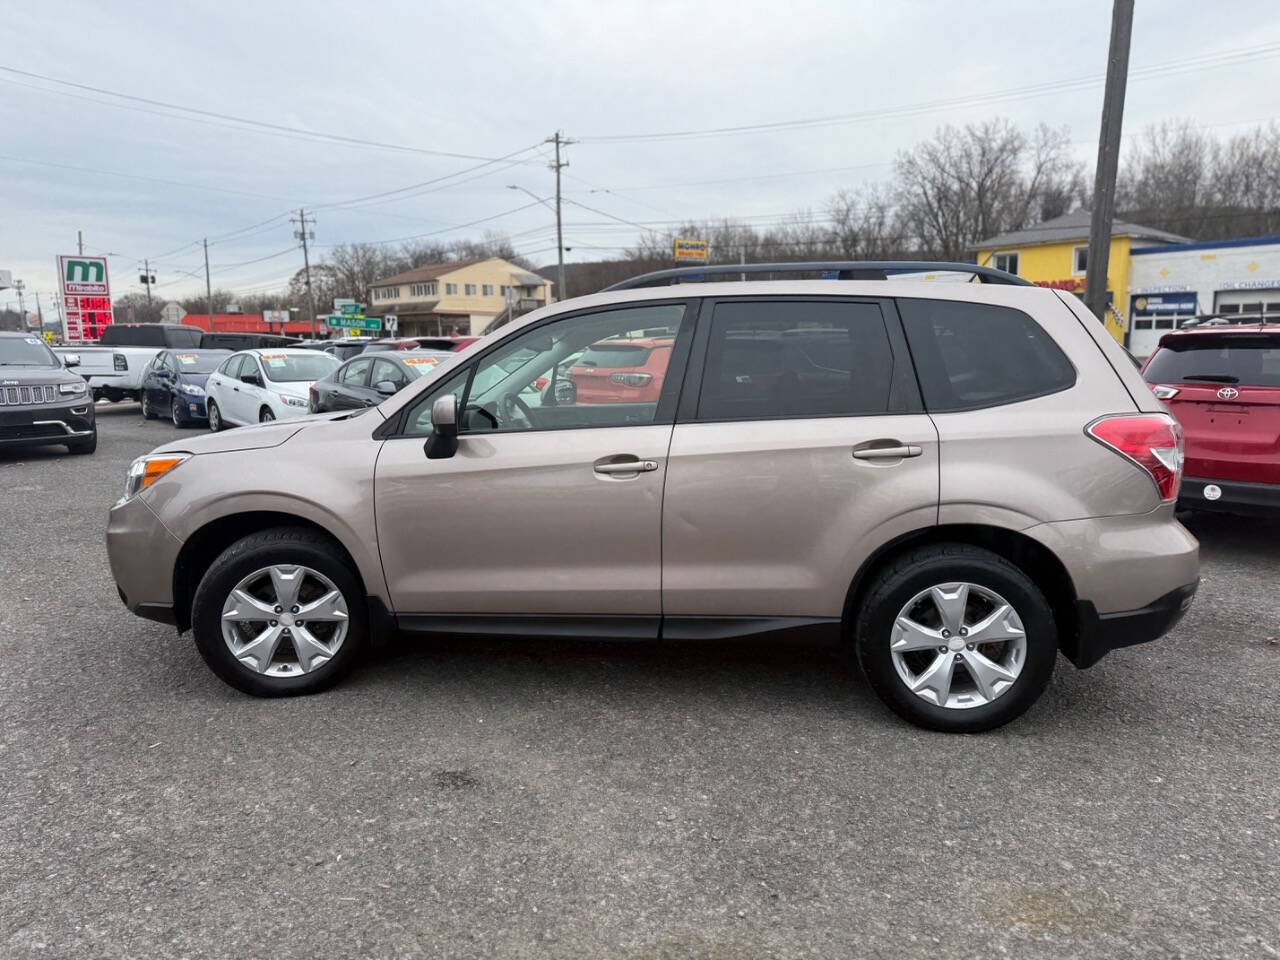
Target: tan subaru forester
(956,479)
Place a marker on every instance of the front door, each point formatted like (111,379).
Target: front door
(549,508)
(804,449)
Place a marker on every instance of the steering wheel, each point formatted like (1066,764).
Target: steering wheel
(514,409)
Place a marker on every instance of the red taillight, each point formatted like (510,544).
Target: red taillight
(632,379)
(1153,441)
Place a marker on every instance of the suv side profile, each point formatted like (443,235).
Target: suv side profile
(957,480)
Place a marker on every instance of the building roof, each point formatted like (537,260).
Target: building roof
(428,271)
(1073,226)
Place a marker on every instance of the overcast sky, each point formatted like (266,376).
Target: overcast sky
(487,79)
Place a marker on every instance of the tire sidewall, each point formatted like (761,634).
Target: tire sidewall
(266,415)
(175,411)
(215,416)
(875,627)
(242,559)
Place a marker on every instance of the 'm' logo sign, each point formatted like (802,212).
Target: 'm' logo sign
(78,271)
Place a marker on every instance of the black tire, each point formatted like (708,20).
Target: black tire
(278,545)
(215,416)
(147,412)
(85,446)
(265,415)
(175,413)
(919,569)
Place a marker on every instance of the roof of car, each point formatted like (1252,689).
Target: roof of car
(295,351)
(1202,329)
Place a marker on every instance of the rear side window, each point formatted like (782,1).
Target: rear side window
(1210,358)
(973,355)
(796,359)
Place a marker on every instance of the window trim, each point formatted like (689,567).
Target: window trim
(668,401)
(1017,260)
(904,390)
(1076,271)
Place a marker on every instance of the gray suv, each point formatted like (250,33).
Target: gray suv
(955,480)
(40,401)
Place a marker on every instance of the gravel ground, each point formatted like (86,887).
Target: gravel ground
(522,799)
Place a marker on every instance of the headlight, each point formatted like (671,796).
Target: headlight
(77,387)
(191,388)
(292,401)
(145,471)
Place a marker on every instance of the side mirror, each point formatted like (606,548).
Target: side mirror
(252,379)
(388,388)
(443,442)
(163,374)
(71,360)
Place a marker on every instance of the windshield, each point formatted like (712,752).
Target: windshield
(1205,358)
(198,362)
(297,367)
(26,352)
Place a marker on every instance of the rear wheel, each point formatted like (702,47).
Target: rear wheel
(215,416)
(956,638)
(280,613)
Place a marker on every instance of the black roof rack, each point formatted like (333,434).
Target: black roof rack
(843,270)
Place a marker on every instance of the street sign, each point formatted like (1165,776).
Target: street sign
(86,296)
(391,322)
(354,323)
(350,309)
(690,251)
(339,303)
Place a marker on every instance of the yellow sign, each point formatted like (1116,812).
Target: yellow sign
(690,251)
(48,337)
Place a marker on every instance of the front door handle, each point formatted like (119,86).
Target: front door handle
(887,453)
(627,466)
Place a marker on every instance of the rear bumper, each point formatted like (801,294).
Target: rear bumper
(1252,499)
(1101,633)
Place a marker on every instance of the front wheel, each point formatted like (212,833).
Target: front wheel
(87,445)
(265,415)
(956,638)
(147,412)
(175,412)
(280,613)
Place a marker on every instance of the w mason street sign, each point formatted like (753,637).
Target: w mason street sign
(86,296)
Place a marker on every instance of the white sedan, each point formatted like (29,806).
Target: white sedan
(258,386)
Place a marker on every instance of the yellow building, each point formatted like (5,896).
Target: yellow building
(1055,254)
(467,297)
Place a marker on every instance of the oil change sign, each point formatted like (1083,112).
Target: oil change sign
(86,296)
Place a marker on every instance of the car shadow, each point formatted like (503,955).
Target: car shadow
(1243,538)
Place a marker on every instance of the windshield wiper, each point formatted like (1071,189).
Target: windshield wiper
(1213,377)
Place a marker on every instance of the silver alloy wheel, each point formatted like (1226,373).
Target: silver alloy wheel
(174,412)
(958,645)
(266,416)
(285,620)
(215,418)
(146,406)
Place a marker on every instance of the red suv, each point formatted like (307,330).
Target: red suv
(622,371)
(1222,383)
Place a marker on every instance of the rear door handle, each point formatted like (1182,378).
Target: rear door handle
(627,466)
(887,453)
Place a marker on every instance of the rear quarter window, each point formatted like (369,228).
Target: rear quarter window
(974,355)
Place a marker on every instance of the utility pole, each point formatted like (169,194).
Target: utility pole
(148,279)
(208,287)
(1104,186)
(80,242)
(22,308)
(301,234)
(559,140)
(39,313)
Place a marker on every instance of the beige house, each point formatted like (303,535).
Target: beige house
(438,299)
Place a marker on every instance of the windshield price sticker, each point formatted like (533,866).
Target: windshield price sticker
(32,339)
(422,361)
(187,358)
(274,359)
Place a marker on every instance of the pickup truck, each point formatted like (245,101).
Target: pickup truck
(113,367)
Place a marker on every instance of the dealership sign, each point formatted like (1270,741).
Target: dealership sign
(86,296)
(690,251)
(1178,304)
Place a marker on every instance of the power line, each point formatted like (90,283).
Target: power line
(1183,65)
(260,124)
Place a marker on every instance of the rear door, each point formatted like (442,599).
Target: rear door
(350,386)
(801,446)
(220,386)
(1226,394)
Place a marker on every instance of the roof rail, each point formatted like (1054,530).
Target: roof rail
(843,270)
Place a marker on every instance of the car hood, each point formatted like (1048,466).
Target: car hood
(195,379)
(259,437)
(36,376)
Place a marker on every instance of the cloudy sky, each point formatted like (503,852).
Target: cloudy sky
(244,110)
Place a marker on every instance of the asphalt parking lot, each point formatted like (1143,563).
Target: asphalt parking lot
(515,798)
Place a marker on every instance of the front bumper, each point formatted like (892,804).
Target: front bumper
(193,407)
(1101,633)
(142,553)
(47,423)
(1250,499)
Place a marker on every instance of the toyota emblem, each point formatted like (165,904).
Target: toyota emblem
(1228,393)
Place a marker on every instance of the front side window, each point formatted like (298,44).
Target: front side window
(386,370)
(354,373)
(796,359)
(973,355)
(537,380)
